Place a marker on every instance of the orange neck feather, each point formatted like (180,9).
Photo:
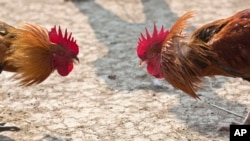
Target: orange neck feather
(31,54)
(181,65)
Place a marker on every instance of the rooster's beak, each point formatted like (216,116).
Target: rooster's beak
(143,63)
(77,59)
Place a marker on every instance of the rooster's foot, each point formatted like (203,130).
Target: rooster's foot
(245,122)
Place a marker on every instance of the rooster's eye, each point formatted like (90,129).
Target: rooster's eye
(61,53)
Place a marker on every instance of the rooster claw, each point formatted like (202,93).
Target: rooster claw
(8,128)
(227,128)
(245,122)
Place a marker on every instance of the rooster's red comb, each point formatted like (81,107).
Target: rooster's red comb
(145,42)
(65,40)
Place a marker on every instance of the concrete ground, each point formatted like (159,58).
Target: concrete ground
(108,97)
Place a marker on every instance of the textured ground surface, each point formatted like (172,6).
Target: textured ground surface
(87,105)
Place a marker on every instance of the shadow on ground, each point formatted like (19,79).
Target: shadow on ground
(5,138)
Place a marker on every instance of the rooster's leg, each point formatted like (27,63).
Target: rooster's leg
(245,122)
(8,128)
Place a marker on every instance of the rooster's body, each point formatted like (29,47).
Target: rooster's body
(229,39)
(33,53)
(218,48)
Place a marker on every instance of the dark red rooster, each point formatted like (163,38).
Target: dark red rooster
(218,48)
(33,53)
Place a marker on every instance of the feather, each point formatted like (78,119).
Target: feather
(30,53)
(179,25)
(179,59)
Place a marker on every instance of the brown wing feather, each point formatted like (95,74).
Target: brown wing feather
(229,39)
(232,46)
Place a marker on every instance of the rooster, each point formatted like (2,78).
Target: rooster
(33,53)
(217,48)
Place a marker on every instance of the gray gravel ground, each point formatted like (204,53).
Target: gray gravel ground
(89,106)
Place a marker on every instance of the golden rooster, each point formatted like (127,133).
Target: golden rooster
(217,48)
(33,53)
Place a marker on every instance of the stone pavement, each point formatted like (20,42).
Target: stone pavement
(108,96)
